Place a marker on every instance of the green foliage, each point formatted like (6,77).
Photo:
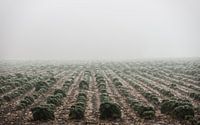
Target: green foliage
(43,112)
(25,102)
(124,92)
(146,112)
(2,89)
(166,93)
(116,82)
(67,84)
(173,85)
(19,75)
(7,97)
(52,79)
(101,86)
(182,112)
(180,109)
(195,96)
(151,97)
(84,85)
(35,96)
(100,79)
(1,101)
(59,91)
(81,97)
(109,110)
(104,98)
(55,99)
(40,85)
(77,110)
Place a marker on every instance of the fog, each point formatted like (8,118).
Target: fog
(99,29)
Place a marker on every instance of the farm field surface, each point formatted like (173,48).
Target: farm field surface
(100,62)
(156,92)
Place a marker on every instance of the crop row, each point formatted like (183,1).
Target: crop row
(108,109)
(77,110)
(46,111)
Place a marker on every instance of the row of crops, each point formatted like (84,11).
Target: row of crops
(77,110)
(46,111)
(108,109)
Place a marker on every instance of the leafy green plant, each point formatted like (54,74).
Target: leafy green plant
(77,110)
(43,112)
(59,91)
(180,109)
(182,112)
(40,85)
(109,110)
(195,96)
(28,100)
(84,85)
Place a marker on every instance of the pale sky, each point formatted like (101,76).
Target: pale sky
(99,29)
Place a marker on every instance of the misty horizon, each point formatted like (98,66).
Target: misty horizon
(99,30)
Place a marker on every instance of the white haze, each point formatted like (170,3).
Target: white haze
(99,29)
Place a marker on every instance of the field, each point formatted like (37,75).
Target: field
(157,92)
